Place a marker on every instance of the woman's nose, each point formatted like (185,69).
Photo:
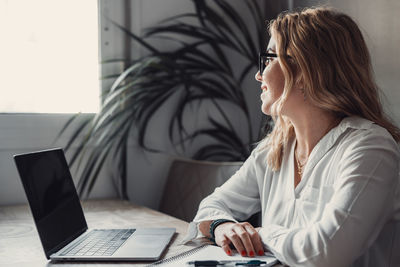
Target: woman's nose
(258,76)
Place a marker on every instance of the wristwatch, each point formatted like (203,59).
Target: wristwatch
(214,224)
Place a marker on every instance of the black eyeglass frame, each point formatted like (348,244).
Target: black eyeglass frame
(262,58)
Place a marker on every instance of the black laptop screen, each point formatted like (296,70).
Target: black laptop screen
(52,197)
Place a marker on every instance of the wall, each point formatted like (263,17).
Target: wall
(21,133)
(380,24)
(28,132)
(148,171)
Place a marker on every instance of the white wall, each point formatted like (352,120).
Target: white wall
(28,132)
(20,133)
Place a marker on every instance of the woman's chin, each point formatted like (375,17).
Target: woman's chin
(266,109)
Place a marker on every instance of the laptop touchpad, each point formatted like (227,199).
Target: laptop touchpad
(143,246)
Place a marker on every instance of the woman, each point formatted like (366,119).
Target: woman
(326,178)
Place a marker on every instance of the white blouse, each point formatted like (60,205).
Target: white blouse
(344,212)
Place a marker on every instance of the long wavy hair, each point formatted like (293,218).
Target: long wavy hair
(330,58)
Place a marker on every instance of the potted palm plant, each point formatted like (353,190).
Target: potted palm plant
(199,70)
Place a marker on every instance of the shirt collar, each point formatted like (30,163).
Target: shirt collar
(354,122)
(329,140)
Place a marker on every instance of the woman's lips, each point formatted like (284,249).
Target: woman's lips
(263,93)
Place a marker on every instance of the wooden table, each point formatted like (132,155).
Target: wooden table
(20,244)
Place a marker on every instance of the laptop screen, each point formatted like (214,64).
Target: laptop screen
(52,197)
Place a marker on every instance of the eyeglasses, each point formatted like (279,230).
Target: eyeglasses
(263,59)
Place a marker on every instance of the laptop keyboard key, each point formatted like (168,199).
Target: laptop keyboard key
(100,243)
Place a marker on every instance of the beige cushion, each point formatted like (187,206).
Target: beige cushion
(189,181)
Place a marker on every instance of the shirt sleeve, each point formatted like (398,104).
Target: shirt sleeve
(361,205)
(237,199)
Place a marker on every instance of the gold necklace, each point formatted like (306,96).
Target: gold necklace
(299,165)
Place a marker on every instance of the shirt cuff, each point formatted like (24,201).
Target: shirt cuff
(192,233)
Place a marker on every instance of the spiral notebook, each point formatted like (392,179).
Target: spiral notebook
(210,252)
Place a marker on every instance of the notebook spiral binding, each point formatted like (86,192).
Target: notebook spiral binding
(179,256)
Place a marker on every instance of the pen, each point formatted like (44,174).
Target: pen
(234,263)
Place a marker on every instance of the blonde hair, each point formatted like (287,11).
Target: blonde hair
(325,51)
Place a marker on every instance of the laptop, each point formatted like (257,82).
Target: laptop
(61,224)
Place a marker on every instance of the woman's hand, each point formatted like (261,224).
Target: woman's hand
(243,236)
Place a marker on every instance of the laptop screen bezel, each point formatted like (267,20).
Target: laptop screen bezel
(20,161)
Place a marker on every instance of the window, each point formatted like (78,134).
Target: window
(49,56)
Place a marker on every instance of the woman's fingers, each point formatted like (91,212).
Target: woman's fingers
(226,247)
(242,236)
(255,239)
(245,245)
(237,242)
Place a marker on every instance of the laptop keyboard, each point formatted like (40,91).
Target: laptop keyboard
(99,243)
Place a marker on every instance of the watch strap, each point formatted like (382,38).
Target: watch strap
(214,224)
